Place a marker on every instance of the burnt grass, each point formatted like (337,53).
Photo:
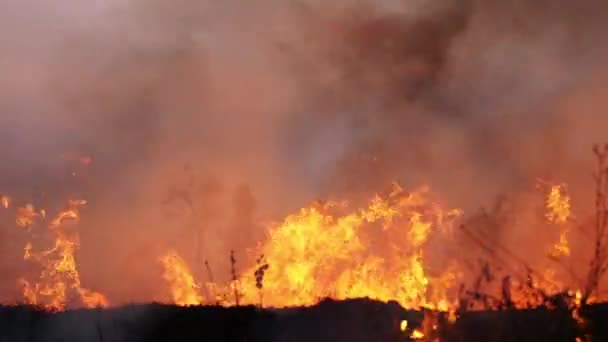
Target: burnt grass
(351,320)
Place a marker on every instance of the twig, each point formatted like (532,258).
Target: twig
(234,278)
(598,263)
(209,273)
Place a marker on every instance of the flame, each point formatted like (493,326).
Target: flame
(335,249)
(59,279)
(403,325)
(559,212)
(5,201)
(184,289)
(26,216)
(576,306)
(70,214)
(417,335)
(558,205)
(327,250)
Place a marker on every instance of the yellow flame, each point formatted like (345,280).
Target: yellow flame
(183,288)
(417,335)
(558,205)
(327,250)
(419,230)
(559,212)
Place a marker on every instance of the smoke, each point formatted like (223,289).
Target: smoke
(250,111)
(470,100)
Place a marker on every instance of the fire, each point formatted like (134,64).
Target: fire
(329,250)
(558,205)
(576,306)
(184,289)
(59,281)
(380,250)
(417,335)
(559,212)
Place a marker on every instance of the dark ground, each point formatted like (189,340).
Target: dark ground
(353,320)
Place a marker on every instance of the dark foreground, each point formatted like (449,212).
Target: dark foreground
(354,320)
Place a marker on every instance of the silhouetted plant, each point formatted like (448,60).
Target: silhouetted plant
(234,277)
(259,276)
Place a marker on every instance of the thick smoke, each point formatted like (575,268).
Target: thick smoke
(208,117)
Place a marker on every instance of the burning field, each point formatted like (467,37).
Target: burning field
(360,170)
(381,250)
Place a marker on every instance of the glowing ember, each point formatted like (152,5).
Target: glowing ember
(417,335)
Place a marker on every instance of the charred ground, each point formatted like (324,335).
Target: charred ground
(351,320)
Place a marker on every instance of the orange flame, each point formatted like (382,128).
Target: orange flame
(59,279)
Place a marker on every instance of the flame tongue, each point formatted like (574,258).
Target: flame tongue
(181,282)
(59,281)
(558,213)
